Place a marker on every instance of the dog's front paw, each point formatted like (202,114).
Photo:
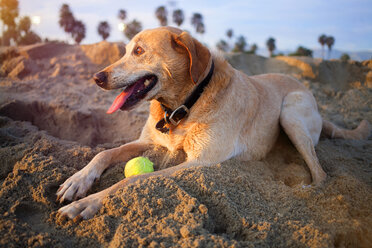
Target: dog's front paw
(84,208)
(76,186)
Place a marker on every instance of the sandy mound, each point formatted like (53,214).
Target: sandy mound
(104,53)
(53,122)
(336,74)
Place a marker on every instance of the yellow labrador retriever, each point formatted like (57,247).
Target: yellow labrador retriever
(202,105)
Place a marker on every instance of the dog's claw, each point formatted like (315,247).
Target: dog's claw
(57,193)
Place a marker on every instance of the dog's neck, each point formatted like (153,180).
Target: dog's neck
(172,102)
(172,117)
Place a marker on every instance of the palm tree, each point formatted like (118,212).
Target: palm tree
(161,14)
(200,28)
(9,12)
(70,25)
(322,40)
(132,28)
(254,48)
(24,24)
(197,22)
(66,18)
(230,33)
(104,29)
(178,17)
(240,44)
(270,43)
(330,41)
(24,33)
(78,31)
(302,51)
(196,19)
(345,57)
(122,15)
(222,45)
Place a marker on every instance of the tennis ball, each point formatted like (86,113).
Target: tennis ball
(138,166)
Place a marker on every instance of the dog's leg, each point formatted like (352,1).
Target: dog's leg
(78,184)
(87,207)
(302,123)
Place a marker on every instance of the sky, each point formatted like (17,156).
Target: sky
(290,22)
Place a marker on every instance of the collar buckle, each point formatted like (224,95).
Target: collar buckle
(177,115)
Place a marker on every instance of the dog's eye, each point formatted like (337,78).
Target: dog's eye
(138,50)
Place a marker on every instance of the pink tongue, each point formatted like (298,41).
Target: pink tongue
(119,101)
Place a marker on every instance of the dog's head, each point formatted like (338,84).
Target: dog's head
(163,63)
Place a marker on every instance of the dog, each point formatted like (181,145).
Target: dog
(200,104)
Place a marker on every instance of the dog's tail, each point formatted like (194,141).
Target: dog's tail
(330,130)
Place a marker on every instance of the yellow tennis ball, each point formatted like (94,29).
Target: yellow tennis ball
(138,166)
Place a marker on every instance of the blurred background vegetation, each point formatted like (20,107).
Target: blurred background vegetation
(17,30)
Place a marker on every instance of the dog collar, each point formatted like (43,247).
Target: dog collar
(175,117)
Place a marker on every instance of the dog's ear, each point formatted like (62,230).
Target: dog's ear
(198,54)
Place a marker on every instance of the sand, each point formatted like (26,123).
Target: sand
(53,122)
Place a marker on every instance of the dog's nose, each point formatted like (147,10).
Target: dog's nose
(101,78)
